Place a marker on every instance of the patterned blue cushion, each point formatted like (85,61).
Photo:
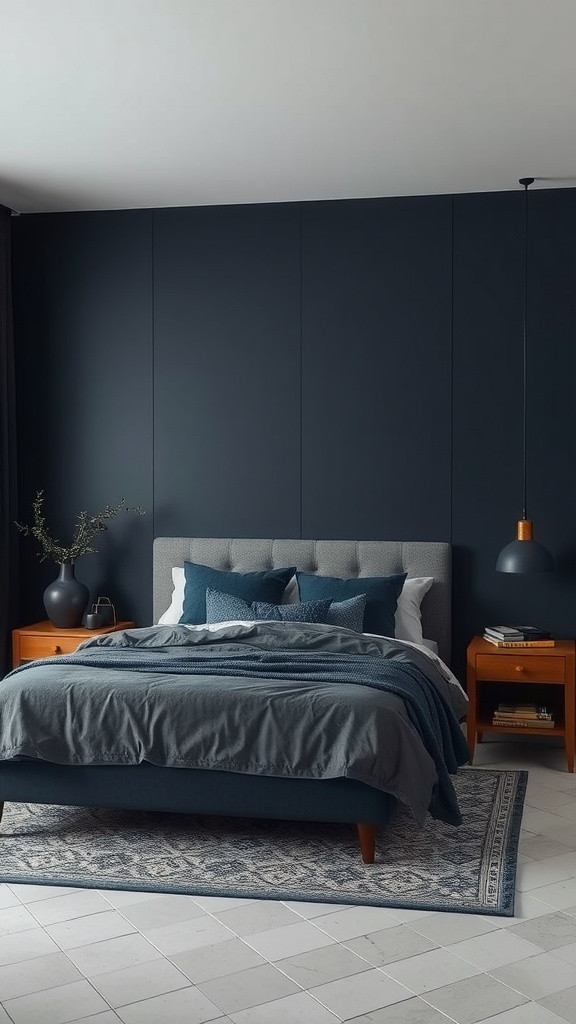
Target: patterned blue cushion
(225,608)
(348,614)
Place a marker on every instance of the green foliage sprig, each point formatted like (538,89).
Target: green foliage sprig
(85,530)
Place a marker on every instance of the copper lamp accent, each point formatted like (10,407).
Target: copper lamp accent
(524,529)
(525,554)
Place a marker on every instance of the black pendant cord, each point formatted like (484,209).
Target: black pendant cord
(524,554)
(526,182)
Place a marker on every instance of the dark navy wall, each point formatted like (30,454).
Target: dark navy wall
(336,369)
(376,382)
(83,328)
(227,371)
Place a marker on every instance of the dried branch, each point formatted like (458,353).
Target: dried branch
(85,530)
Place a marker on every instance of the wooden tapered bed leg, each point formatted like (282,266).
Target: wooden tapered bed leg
(1,809)
(367,837)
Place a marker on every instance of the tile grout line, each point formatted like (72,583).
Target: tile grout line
(337,942)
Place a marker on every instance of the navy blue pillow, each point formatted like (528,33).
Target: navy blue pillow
(382,593)
(249,586)
(349,614)
(225,608)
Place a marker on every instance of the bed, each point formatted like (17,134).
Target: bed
(196,790)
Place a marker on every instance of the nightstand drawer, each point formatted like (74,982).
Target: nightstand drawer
(33,647)
(43,640)
(514,668)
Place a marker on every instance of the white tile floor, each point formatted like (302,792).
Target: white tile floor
(104,957)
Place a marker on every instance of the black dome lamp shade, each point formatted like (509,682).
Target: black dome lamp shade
(525,554)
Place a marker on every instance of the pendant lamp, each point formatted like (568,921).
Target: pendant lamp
(525,554)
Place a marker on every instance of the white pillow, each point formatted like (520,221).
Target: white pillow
(174,612)
(408,624)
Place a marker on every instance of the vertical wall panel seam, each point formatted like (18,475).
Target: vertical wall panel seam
(301,370)
(452,370)
(452,409)
(153,369)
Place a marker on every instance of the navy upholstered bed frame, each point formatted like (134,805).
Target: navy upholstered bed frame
(147,787)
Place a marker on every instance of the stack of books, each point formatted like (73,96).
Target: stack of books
(518,636)
(527,716)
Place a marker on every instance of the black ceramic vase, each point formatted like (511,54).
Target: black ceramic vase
(65,599)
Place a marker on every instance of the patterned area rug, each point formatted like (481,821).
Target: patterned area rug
(470,869)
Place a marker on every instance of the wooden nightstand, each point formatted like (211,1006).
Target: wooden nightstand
(545,674)
(43,640)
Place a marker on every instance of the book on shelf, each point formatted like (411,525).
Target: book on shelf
(504,632)
(517,644)
(534,632)
(522,705)
(523,723)
(523,714)
(518,633)
(509,716)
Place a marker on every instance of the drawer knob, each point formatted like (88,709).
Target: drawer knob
(519,668)
(56,650)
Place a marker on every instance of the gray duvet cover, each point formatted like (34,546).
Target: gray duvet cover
(283,699)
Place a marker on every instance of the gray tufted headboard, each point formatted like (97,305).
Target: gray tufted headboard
(344,558)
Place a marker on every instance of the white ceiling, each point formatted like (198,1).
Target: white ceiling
(109,104)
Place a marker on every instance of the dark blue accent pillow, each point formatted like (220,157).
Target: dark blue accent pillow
(348,614)
(225,608)
(382,593)
(249,586)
